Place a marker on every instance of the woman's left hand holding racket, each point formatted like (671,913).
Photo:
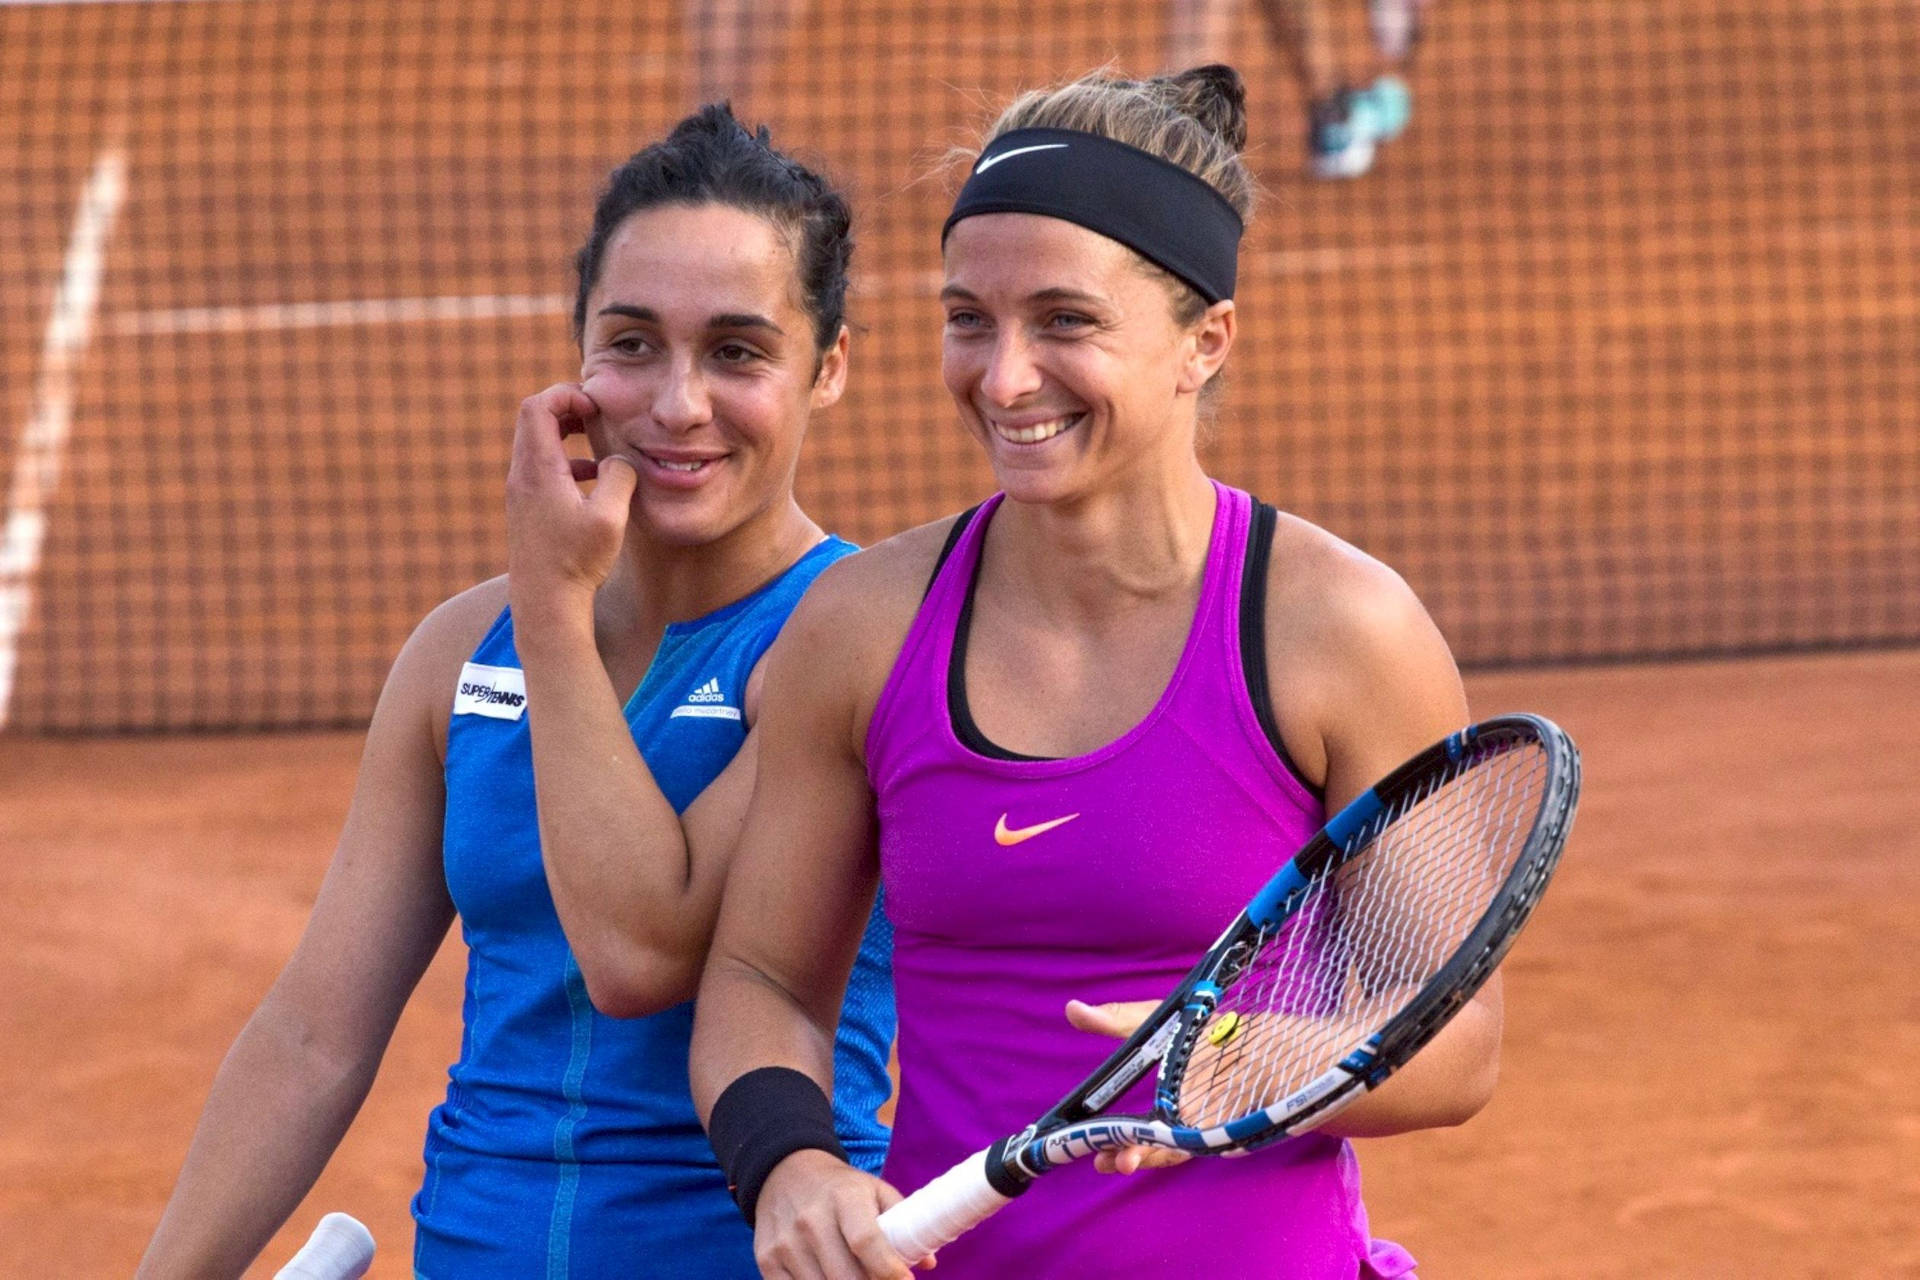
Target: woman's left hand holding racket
(809,1188)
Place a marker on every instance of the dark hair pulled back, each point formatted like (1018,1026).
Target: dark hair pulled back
(711,158)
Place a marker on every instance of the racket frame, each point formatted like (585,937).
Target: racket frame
(1076,1125)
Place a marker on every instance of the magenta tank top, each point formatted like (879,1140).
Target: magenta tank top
(1014,884)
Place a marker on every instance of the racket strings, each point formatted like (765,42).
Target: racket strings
(1367,937)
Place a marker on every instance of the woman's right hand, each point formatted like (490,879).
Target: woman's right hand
(818,1216)
(560,541)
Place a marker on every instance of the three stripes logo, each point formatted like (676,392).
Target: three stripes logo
(706,702)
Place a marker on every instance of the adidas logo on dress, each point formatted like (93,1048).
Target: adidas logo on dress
(706,703)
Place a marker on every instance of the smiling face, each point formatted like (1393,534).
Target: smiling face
(1065,358)
(701,356)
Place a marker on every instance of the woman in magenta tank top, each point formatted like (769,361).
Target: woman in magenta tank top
(1070,731)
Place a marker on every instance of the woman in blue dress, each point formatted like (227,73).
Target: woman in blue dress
(710,319)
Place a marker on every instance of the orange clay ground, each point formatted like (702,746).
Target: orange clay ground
(1712,1022)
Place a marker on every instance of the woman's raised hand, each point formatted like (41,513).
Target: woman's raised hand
(560,540)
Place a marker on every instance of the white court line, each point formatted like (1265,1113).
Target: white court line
(349,312)
(1271,264)
(344,313)
(43,440)
(55,4)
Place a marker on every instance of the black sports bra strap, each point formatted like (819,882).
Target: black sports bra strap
(960,524)
(958,711)
(1253,634)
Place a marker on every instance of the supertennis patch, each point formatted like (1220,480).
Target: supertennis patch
(499,692)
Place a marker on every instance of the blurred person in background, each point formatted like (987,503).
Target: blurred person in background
(1348,116)
(731,43)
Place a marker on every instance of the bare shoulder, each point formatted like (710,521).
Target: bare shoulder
(1362,675)
(1327,593)
(423,676)
(877,590)
(450,633)
(847,631)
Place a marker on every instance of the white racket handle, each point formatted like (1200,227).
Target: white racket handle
(943,1210)
(339,1249)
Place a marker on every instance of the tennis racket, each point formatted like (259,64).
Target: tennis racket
(339,1249)
(1351,958)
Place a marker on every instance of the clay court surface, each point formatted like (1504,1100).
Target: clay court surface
(1712,1022)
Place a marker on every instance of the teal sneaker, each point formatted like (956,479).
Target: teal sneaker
(1344,131)
(1388,105)
(1338,143)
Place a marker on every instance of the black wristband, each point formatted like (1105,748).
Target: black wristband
(762,1118)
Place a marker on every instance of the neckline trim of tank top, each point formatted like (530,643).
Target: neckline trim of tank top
(959,723)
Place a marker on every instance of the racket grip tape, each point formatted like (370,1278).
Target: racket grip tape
(339,1249)
(945,1209)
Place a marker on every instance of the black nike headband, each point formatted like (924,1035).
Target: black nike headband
(1159,210)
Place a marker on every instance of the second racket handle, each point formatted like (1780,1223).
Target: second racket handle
(943,1210)
(340,1249)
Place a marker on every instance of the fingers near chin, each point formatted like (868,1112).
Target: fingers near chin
(580,405)
(568,406)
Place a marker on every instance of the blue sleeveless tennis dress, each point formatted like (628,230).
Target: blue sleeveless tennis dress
(567,1145)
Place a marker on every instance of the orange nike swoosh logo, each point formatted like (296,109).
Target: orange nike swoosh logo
(1003,835)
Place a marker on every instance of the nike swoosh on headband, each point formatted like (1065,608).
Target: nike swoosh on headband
(991,161)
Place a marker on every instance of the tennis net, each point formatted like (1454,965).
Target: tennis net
(1612,355)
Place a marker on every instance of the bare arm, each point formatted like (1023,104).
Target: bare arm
(1379,685)
(301,1067)
(636,885)
(801,886)
(803,877)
